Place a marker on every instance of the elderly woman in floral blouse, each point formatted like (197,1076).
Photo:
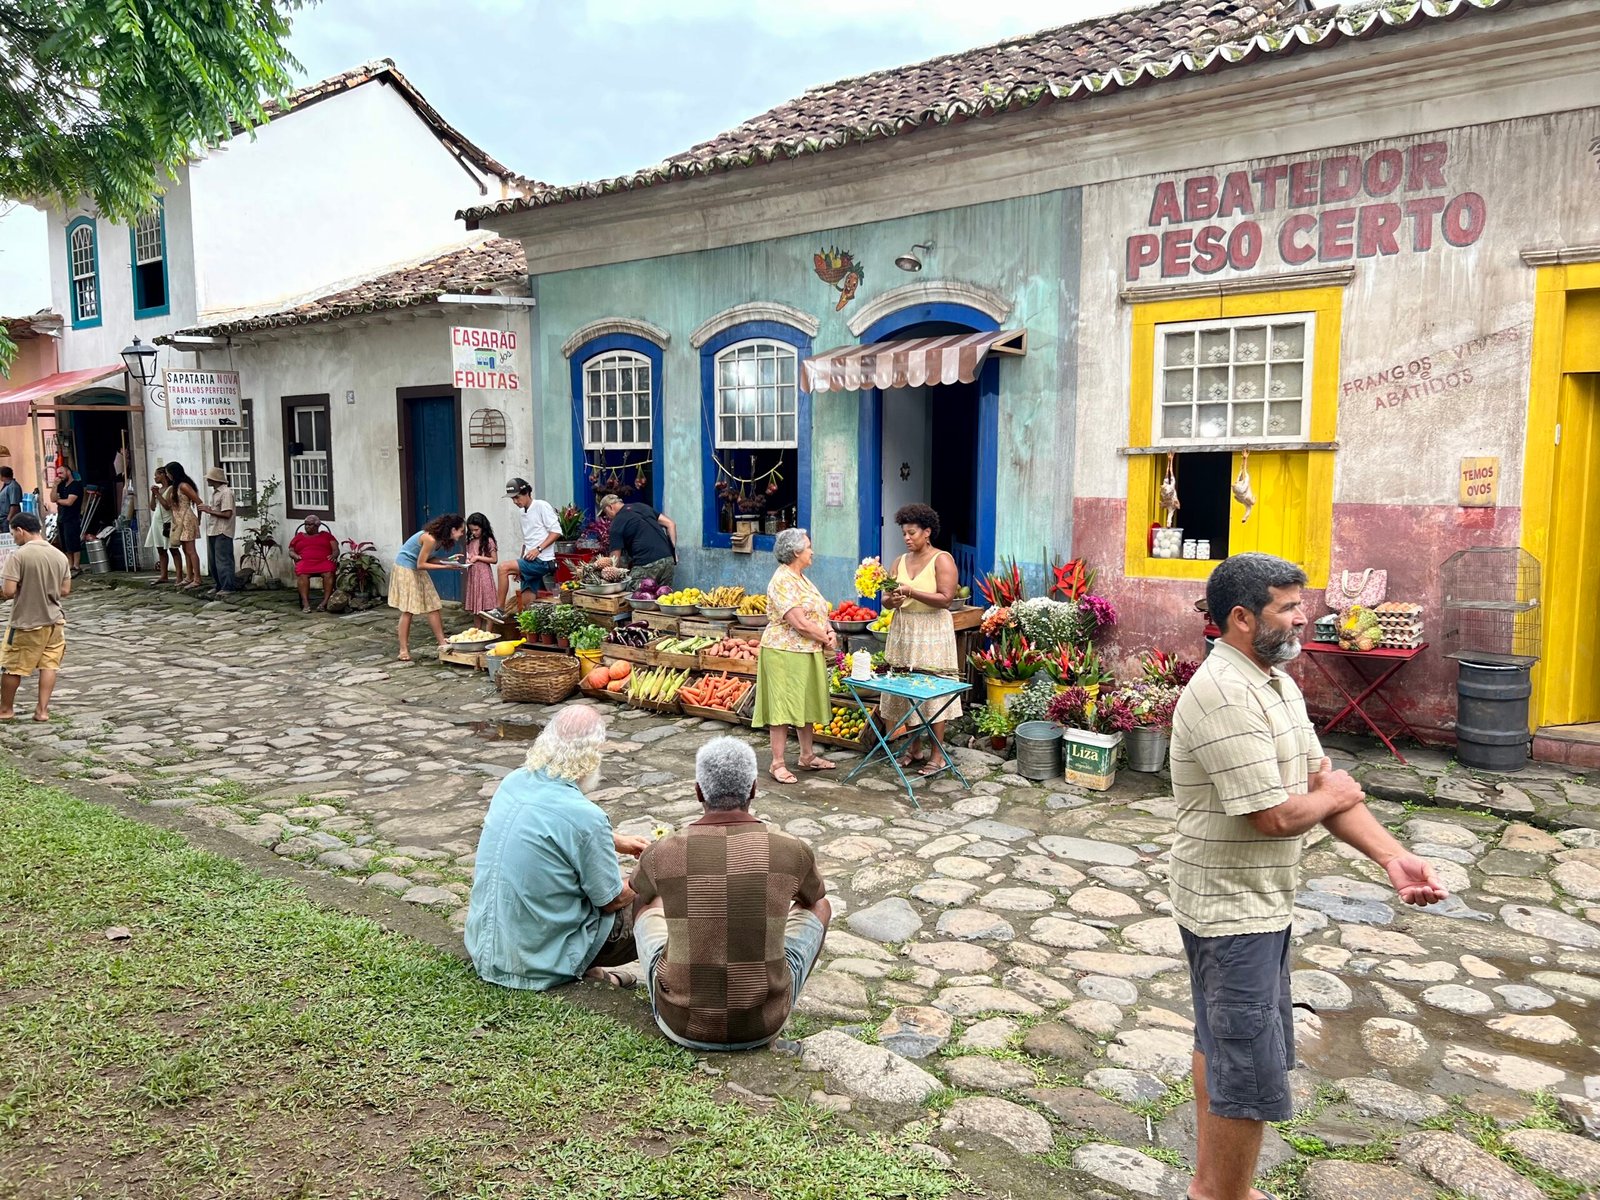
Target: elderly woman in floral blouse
(792,678)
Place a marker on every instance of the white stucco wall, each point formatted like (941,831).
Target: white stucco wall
(1436,343)
(339,190)
(374,360)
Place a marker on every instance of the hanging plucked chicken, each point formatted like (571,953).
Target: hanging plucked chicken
(1241,486)
(1169,491)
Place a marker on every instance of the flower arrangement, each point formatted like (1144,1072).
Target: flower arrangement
(1077,709)
(1151,704)
(1004,587)
(1049,624)
(870,578)
(995,621)
(598,531)
(1160,667)
(1103,611)
(1008,660)
(571,518)
(1033,701)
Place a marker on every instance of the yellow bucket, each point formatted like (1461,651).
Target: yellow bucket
(999,692)
(588,660)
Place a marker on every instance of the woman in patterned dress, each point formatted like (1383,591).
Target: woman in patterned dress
(185,524)
(791,676)
(922,636)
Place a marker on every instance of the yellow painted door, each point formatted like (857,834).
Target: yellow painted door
(1571,667)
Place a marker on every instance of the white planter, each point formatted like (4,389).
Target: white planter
(1092,758)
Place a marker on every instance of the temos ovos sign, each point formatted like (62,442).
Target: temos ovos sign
(485,359)
(201,399)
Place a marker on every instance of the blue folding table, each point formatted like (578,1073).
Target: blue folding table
(919,691)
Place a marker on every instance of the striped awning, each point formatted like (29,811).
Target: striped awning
(913,362)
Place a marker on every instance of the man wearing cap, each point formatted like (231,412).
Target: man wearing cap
(221,522)
(541,530)
(646,538)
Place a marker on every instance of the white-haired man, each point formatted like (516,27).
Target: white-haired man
(731,914)
(548,902)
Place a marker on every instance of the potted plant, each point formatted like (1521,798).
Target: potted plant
(586,640)
(260,539)
(1152,701)
(534,621)
(359,572)
(564,618)
(1008,661)
(571,518)
(994,721)
(1094,732)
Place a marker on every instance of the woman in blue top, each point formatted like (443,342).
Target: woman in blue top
(410,589)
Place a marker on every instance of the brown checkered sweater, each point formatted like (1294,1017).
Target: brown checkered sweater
(726,885)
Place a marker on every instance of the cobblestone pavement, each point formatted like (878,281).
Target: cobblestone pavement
(1002,965)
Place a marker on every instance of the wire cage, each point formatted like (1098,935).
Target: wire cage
(1492,606)
(487,428)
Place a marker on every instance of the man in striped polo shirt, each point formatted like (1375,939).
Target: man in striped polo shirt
(1250,778)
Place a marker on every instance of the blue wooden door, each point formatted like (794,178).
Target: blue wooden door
(435,485)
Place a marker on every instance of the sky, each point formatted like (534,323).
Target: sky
(570,90)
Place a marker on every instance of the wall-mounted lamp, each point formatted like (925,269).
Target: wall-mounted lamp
(141,361)
(909,260)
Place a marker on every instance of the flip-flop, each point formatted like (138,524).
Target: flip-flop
(782,775)
(617,977)
(818,764)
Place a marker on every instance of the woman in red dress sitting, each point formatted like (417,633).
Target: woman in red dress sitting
(315,551)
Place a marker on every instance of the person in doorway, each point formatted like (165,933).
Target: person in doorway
(10,498)
(642,539)
(791,677)
(315,553)
(221,525)
(185,524)
(732,914)
(483,557)
(35,578)
(1250,779)
(411,589)
(548,904)
(922,636)
(159,535)
(541,530)
(69,493)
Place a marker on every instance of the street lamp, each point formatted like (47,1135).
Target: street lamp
(141,360)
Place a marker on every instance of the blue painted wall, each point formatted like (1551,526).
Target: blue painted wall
(1027,250)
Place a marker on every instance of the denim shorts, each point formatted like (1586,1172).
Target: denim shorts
(535,571)
(1243,1022)
(802,945)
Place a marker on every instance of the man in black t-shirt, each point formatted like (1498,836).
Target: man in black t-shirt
(642,536)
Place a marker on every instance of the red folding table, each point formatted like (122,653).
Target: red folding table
(1389,664)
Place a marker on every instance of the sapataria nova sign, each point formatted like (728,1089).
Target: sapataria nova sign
(485,359)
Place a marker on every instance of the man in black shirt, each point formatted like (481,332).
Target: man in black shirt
(644,537)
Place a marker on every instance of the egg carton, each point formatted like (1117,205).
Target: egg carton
(1408,641)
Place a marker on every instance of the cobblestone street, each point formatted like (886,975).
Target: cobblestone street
(1001,963)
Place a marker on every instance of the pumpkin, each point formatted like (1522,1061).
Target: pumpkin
(597,679)
(620,670)
(616,685)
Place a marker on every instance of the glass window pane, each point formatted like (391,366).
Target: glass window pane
(786,369)
(625,379)
(611,406)
(768,429)
(769,370)
(642,374)
(626,433)
(727,373)
(625,404)
(594,433)
(786,428)
(769,400)
(611,433)
(729,430)
(747,429)
(644,430)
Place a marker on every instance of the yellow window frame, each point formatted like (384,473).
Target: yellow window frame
(1293,516)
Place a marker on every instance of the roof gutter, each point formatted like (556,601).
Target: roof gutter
(494,301)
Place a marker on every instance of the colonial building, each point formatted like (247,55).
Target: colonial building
(1346,250)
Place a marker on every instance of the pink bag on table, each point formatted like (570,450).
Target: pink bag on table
(1366,588)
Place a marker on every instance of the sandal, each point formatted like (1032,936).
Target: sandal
(781,773)
(617,977)
(305,608)
(817,763)
(932,769)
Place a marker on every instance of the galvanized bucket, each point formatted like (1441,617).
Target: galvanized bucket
(1039,750)
(1147,748)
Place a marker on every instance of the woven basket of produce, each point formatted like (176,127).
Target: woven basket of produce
(538,678)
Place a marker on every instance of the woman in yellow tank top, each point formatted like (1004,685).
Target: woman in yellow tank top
(922,636)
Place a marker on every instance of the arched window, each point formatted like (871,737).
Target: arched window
(617,414)
(149,241)
(616,419)
(83,269)
(757,437)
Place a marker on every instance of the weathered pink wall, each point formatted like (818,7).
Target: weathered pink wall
(1411,542)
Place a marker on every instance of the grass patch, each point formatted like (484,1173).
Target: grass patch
(245,1043)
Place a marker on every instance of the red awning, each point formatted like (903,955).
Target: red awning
(914,362)
(15,404)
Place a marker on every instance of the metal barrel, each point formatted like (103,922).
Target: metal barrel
(96,553)
(1147,748)
(1039,750)
(1492,716)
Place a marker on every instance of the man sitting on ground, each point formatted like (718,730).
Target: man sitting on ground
(731,917)
(548,903)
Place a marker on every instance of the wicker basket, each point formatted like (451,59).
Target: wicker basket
(538,678)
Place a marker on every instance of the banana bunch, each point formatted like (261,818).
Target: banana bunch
(723,597)
(753,606)
(656,683)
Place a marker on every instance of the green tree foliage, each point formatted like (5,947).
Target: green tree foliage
(108,98)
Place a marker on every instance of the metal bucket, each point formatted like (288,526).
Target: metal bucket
(96,553)
(1492,716)
(1039,750)
(1147,748)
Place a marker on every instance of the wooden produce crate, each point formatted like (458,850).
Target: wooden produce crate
(667,708)
(602,694)
(701,627)
(733,666)
(610,605)
(463,658)
(746,702)
(642,655)
(710,714)
(660,622)
(678,662)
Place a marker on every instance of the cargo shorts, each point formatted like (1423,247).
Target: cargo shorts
(24,651)
(1243,1022)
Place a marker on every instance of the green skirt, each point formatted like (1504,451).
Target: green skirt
(791,689)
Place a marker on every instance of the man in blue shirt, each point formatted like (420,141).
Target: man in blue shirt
(10,498)
(548,902)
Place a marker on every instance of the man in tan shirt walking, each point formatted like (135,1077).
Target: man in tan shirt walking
(1250,779)
(35,578)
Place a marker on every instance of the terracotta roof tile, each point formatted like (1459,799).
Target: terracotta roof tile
(493,267)
(1144,46)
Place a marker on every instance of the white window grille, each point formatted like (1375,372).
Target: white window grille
(616,402)
(310,473)
(148,245)
(1227,382)
(757,400)
(85,286)
(235,458)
